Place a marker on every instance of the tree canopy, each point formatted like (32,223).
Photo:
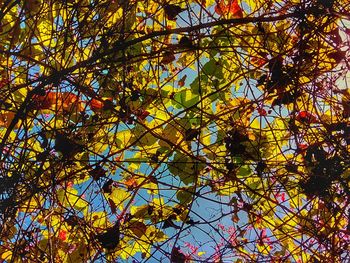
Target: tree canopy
(180,131)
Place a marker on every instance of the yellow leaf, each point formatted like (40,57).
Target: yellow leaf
(6,255)
(70,197)
(99,219)
(35,202)
(45,29)
(263,249)
(119,196)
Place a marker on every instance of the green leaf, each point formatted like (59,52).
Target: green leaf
(244,171)
(185,195)
(213,68)
(185,99)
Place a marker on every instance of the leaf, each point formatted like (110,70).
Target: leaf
(171,11)
(110,238)
(244,171)
(326,3)
(33,204)
(107,186)
(181,81)
(119,196)
(168,57)
(191,134)
(177,256)
(185,196)
(185,42)
(142,114)
(6,118)
(44,101)
(62,235)
(286,98)
(338,56)
(185,98)
(112,205)
(57,101)
(213,68)
(96,105)
(138,228)
(67,146)
(97,173)
(306,117)
(74,221)
(169,222)
(181,167)
(5,254)
(70,197)
(232,8)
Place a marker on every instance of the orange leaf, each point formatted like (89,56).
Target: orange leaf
(68,100)
(57,100)
(131,183)
(96,105)
(44,102)
(220,8)
(6,118)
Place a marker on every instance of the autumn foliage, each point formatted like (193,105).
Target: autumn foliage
(174,131)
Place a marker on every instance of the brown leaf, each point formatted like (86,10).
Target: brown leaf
(67,146)
(171,11)
(177,256)
(107,187)
(97,173)
(181,81)
(168,57)
(138,228)
(185,42)
(110,238)
(338,55)
(112,205)
(191,134)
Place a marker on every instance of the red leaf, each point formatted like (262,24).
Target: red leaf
(62,235)
(181,82)
(235,9)
(306,117)
(232,7)
(142,114)
(262,112)
(302,147)
(65,101)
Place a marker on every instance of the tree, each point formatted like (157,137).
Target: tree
(182,131)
